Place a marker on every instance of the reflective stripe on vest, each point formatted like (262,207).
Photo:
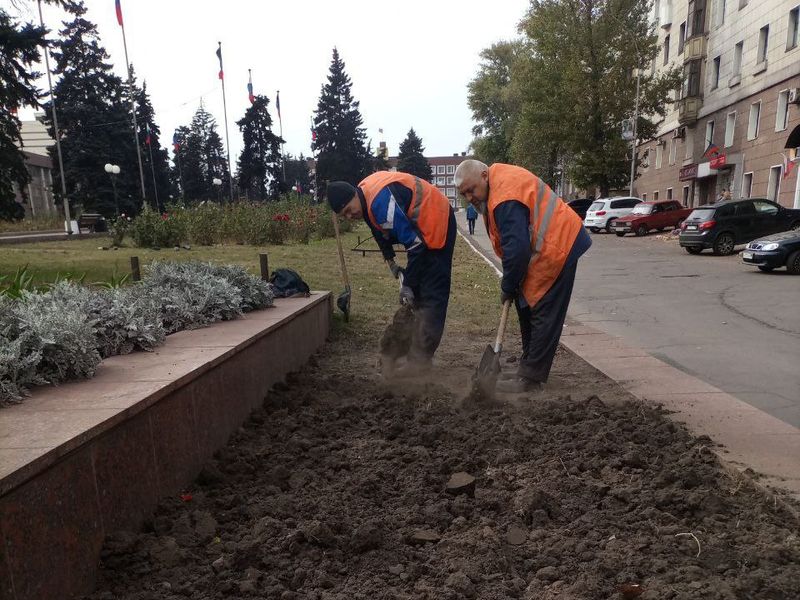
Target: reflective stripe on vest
(416,202)
(548,214)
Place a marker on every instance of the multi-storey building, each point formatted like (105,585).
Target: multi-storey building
(739,101)
(38,198)
(443,169)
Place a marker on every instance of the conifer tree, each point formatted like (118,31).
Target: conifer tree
(411,159)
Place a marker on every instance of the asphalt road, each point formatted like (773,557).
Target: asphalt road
(713,317)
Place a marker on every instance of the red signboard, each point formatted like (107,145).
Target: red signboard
(688,172)
(718,162)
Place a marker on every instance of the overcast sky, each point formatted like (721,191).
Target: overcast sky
(409,61)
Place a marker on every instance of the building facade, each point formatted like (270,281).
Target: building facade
(38,198)
(443,169)
(739,101)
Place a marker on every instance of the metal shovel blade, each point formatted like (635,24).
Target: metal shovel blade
(487,373)
(343,302)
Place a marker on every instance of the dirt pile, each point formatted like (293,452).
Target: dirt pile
(338,490)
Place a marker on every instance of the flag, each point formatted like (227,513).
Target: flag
(788,165)
(147,135)
(250,87)
(119,12)
(711,151)
(219,56)
(176,142)
(380,130)
(278,103)
(313,135)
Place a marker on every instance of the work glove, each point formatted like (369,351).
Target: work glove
(506,296)
(406,296)
(395,269)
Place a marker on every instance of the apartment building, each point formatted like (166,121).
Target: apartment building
(739,101)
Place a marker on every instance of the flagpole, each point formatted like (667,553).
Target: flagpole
(56,132)
(133,105)
(314,139)
(225,112)
(153,168)
(280,124)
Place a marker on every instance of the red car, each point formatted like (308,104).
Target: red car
(651,216)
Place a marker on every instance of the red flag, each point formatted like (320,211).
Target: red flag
(119,12)
(788,165)
(219,56)
(250,95)
(147,137)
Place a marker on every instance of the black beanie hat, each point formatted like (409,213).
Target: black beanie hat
(339,194)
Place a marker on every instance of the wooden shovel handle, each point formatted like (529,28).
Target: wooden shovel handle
(501,330)
(341,252)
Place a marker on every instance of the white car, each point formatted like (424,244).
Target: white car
(600,214)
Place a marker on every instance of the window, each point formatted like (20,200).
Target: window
(763,44)
(715,73)
(681,37)
(451,169)
(655,196)
(793,37)
(741,209)
(743,3)
(440,169)
(440,181)
(774,183)
(659,154)
(755,115)
(691,79)
(673,151)
(451,192)
(669,197)
(737,58)
(765,208)
(697,17)
(644,197)
(719,13)
(709,134)
(747,185)
(730,128)
(688,143)
(450,180)
(666,49)
(686,195)
(782,115)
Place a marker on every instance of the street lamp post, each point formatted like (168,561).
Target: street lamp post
(218,184)
(113,171)
(635,121)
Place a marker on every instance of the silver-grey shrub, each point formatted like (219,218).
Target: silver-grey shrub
(126,320)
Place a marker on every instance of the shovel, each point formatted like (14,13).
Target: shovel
(489,367)
(343,301)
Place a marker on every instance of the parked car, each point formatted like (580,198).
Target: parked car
(601,212)
(722,225)
(775,251)
(580,206)
(651,216)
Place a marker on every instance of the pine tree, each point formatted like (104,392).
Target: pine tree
(340,144)
(411,160)
(20,48)
(95,124)
(178,156)
(298,173)
(203,159)
(260,173)
(158,192)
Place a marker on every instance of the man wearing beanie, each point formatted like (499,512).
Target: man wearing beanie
(400,208)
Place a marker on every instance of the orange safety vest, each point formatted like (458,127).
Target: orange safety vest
(429,210)
(553,225)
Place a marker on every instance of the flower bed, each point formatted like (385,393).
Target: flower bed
(251,223)
(64,332)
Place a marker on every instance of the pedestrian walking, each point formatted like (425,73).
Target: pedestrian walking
(472,216)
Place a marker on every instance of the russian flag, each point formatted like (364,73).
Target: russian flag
(176,142)
(119,12)
(219,56)
(711,151)
(250,87)
(147,136)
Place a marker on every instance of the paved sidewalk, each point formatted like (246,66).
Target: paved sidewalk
(749,437)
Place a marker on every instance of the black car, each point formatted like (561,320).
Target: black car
(580,206)
(722,225)
(775,251)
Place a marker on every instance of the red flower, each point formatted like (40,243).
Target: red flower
(186,497)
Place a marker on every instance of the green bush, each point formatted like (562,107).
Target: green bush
(153,230)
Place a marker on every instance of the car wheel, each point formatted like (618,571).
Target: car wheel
(765,268)
(593,229)
(608,225)
(795,226)
(641,230)
(620,234)
(724,244)
(793,263)
(693,249)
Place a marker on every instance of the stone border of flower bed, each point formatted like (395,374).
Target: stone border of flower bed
(87,458)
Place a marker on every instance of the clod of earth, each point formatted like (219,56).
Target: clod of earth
(516,536)
(461,483)
(424,536)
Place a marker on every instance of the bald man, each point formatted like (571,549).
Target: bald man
(539,239)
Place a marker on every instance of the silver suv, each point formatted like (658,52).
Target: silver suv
(603,211)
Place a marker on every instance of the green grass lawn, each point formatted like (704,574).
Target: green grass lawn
(474,303)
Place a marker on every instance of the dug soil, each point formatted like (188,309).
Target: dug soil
(340,488)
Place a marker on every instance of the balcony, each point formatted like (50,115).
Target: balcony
(688,109)
(695,48)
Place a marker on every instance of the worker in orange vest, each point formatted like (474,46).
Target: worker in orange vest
(539,239)
(400,208)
